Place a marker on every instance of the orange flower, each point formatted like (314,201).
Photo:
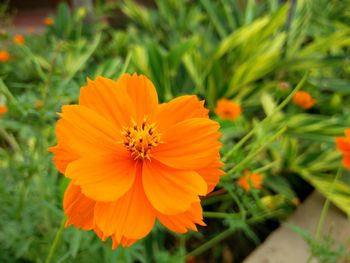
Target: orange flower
(249,180)
(343,145)
(132,161)
(39,104)
(304,100)
(48,21)
(4,56)
(3,110)
(18,39)
(227,109)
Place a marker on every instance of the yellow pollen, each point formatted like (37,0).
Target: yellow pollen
(139,140)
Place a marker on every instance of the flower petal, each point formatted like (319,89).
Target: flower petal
(169,190)
(347,133)
(109,98)
(103,178)
(346,161)
(124,242)
(130,217)
(181,223)
(84,132)
(179,109)
(211,174)
(343,145)
(62,157)
(143,95)
(78,208)
(190,144)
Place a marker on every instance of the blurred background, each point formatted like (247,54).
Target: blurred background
(281,160)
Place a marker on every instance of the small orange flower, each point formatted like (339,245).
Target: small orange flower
(3,110)
(343,145)
(304,100)
(132,161)
(4,56)
(250,180)
(18,39)
(48,21)
(227,109)
(39,104)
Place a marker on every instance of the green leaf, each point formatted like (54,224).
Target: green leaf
(338,192)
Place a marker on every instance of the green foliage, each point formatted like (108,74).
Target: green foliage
(326,250)
(214,49)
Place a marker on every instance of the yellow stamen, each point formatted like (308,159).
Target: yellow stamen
(139,140)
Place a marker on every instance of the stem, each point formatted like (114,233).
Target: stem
(220,215)
(126,63)
(211,243)
(56,240)
(253,154)
(228,231)
(10,139)
(326,207)
(276,110)
(241,207)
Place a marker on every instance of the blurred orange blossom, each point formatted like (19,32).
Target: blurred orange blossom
(48,21)
(18,39)
(304,100)
(343,145)
(227,110)
(3,110)
(250,180)
(4,56)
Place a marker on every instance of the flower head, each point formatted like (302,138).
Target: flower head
(4,56)
(250,180)
(39,104)
(343,145)
(3,110)
(132,161)
(227,109)
(304,100)
(18,39)
(48,21)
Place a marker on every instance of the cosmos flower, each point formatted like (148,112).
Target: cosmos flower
(250,180)
(3,110)
(343,145)
(304,100)
(48,21)
(227,110)
(4,56)
(18,39)
(132,160)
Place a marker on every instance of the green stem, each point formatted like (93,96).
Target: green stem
(253,154)
(326,207)
(56,240)
(241,207)
(10,139)
(258,126)
(211,243)
(223,235)
(220,215)
(126,63)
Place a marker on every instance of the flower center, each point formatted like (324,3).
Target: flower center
(139,140)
